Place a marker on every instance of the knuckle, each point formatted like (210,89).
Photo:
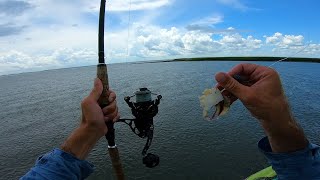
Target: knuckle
(114,114)
(107,110)
(85,102)
(247,64)
(112,97)
(273,72)
(231,85)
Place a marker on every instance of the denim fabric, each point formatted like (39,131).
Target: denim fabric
(58,164)
(299,165)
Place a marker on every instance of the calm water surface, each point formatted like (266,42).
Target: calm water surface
(39,110)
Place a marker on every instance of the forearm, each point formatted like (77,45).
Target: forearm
(287,139)
(284,133)
(81,142)
(287,148)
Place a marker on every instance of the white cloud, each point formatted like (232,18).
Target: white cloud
(146,42)
(199,43)
(134,5)
(157,42)
(207,24)
(237,4)
(236,42)
(16,61)
(13,7)
(285,41)
(234,3)
(312,49)
(152,41)
(292,45)
(54,34)
(273,39)
(210,20)
(287,44)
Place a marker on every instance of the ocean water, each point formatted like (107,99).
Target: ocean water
(39,110)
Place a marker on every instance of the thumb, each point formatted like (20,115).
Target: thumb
(231,85)
(97,89)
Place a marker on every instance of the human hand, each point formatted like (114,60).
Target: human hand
(93,124)
(261,91)
(93,116)
(262,94)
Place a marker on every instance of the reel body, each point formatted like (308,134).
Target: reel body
(144,109)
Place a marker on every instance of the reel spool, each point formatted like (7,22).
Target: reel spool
(144,109)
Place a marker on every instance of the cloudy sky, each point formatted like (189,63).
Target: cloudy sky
(45,34)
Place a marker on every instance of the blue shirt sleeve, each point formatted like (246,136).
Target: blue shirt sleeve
(303,164)
(58,164)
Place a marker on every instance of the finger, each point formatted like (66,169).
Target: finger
(231,98)
(116,118)
(247,74)
(231,85)
(97,89)
(219,87)
(241,79)
(110,108)
(112,96)
(226,93)
(244,80)
(112,116)
(243,69)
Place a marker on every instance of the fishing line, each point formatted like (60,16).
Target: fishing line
(283,59)
(301,50)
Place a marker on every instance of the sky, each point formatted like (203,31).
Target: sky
(48,34)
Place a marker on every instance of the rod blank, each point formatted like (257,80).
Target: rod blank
(101,31)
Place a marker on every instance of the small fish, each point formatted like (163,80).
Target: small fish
(214,104)
(217,102)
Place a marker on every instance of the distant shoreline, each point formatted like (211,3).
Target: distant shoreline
(291,59)
(248,59)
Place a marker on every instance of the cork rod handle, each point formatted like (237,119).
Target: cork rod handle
(102,74)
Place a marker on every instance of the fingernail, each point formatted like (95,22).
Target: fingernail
(221,77)
(106,118)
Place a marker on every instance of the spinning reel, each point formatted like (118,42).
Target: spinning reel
(144,110)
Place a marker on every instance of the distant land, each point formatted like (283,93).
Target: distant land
(291,59)
(248,59)
(269,59)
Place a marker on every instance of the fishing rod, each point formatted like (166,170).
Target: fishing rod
(102,74)
(144,109)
